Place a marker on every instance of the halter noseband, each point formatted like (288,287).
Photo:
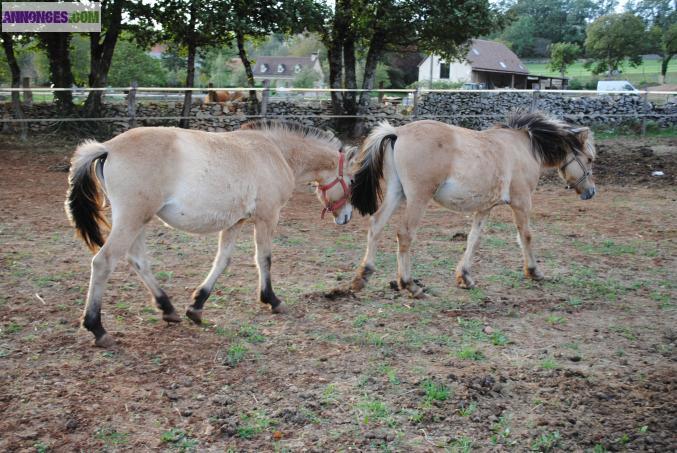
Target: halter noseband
(586,172)
(338,204)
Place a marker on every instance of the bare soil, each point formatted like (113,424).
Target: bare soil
(583,361)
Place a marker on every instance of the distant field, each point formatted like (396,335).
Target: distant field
(648,71)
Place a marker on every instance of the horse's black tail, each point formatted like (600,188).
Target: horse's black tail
(85,198)
(366,190)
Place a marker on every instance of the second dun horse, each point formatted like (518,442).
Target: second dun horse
(464,170)
(199,182)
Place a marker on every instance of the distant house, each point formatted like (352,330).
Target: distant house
(487,62)
(281,71)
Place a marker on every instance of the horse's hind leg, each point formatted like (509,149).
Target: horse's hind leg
(377,222)
(137,256)
(463,278)
(226,246)
(405,237)
(103,264)
(520,212)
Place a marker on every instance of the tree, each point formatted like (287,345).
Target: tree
(131,63)
(379,26)
(663,43)
(563,55)
(661,17)
(57,46)
(101,47)
(8,46)
(521,35)
(612,39)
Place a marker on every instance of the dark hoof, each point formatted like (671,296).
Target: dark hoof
(534,274)
(104,341)
(279,309)
(172,317)
(194,315)
(464,281)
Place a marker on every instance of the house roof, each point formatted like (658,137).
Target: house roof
(494,56)
(281,66)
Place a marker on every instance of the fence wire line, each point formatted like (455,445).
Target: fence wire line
(216,119)
(421,90)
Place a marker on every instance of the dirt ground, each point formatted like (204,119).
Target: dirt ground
(584,361)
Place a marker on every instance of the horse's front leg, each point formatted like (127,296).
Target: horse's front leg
(405,237)
(463,277)
(264,239)
(376,224)
(520,212)
(221,261)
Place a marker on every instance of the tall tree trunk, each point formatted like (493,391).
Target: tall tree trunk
(190,83)
(58,54)
(8,45)
(373,56)
(101,57)
(664,67)
(184,122)
(335,76)
(251,83)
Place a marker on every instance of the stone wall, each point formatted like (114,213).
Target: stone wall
(473,110)
(481,110)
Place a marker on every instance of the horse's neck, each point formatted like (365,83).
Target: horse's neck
(308,158)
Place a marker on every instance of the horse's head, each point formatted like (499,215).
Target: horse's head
(576,169)
(334,193)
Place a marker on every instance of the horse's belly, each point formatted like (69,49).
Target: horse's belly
(195,218)
(460,197)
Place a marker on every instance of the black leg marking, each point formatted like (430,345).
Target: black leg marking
(200,296)
(93,324)
(162,302)
(267,295)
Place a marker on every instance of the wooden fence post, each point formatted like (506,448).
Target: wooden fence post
(28,94)
(131,105)
(534,101)
(416,96)
(645,105)
(264,97)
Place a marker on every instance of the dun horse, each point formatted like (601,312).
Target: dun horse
(464,170)
(198,182)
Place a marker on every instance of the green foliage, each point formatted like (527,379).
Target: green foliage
(520,35)
(563,55)
(546,442)
(236,354)
(131,62)
(434,391)
(614,38)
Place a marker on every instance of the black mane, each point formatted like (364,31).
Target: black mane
(551,139)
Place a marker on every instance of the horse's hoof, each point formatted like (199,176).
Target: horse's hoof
(464,281)
(194,315)
(172,317)
(534,273)
(279,309)
(104,341)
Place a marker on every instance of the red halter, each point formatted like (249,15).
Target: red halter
(338,204)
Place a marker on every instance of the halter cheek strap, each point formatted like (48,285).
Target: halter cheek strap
(586,173)
(338,204)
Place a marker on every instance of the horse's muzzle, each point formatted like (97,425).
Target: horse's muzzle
(342,219)
(589,193)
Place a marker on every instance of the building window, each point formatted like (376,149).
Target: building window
(280,68)
(297,68)
(444,70)
(264,67)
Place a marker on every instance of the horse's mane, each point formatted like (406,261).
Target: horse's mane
(551,139)
(295,128)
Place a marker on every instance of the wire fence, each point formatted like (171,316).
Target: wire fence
(404,102)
